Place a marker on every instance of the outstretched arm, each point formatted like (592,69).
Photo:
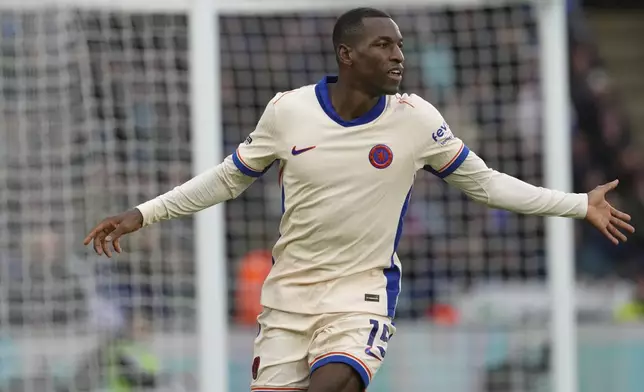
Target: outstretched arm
(499,190)
(443,154)
(221,183)
(225,181)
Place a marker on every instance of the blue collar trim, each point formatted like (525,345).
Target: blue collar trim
(322,93)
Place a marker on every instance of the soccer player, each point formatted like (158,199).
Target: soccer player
(348,148)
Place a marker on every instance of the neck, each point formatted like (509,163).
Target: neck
(350,101)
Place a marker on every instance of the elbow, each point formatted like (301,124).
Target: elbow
(235,183)
(479,194)
(233,186)
(233,192)
(481,198)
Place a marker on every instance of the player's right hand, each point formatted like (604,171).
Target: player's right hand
(111,229)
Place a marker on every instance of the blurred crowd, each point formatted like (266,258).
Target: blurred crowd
(604,149)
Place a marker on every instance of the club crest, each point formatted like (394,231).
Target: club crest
(380,156)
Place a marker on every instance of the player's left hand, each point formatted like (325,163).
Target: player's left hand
(607,219)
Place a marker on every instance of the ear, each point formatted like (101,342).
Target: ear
(345,54)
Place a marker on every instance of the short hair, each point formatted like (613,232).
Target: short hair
(350,23)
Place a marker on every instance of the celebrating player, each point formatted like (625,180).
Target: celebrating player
(348,148)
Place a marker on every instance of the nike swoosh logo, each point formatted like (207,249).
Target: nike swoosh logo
(295,151)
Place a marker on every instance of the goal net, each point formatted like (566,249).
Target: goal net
(95,114)
(95,119)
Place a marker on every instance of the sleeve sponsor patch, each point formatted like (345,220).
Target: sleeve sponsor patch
(443,134)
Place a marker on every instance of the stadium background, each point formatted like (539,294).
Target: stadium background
(95,114)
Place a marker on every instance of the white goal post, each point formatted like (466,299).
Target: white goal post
(207,151)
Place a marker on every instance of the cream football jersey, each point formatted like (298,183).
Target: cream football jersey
(345,189)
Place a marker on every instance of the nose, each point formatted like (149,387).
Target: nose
(397,55)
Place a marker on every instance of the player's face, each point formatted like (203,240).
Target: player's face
(378,60)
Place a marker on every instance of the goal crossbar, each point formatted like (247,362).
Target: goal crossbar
(247,6)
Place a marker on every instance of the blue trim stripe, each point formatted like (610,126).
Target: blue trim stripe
(451,168)
(392,274)
(279,389)
(364,375)
(245,169)
(279,234)
(322,93)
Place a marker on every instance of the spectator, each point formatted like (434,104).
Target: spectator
(253,270)
(123,363)
(634,309)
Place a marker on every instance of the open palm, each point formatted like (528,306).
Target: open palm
(606,218)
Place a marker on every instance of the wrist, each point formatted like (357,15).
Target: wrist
(139,216)
(586,206)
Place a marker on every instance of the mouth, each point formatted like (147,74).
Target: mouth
(395,74)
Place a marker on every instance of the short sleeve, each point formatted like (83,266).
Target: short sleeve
(255,155)
(441,152)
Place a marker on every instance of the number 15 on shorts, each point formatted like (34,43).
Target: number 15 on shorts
(377,349)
